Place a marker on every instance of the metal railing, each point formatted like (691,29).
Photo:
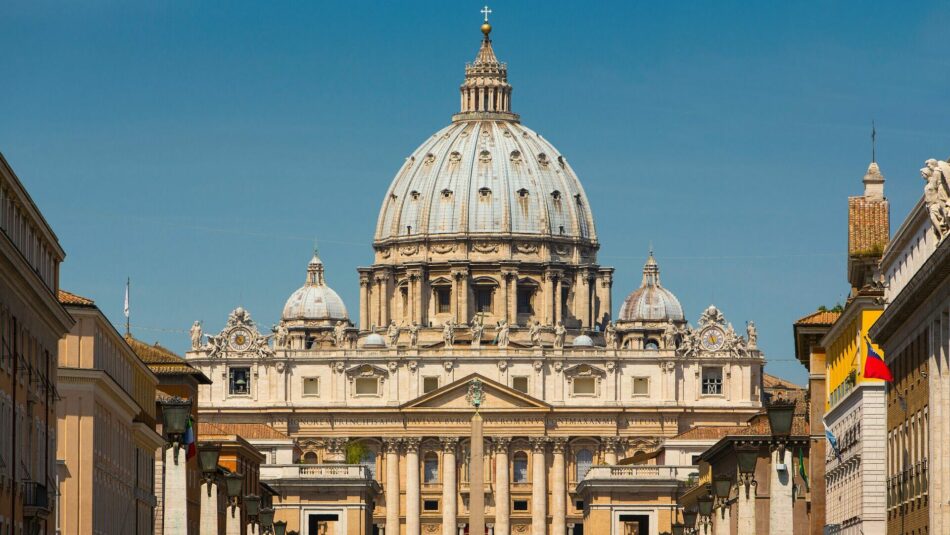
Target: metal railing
(35,495)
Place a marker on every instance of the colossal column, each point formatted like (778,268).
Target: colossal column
(449,487)
(610,450)
(412,486)
(502,496)
(548,298)
(364,300)
(558,487)
(391,446)
(539,492)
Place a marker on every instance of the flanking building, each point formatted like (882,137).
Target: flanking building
(914,331)
(32,321)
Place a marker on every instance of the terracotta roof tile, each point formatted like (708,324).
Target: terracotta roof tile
(247,431)
(821,317)
(772,381)
(709,432)
(162,361)
(868,226)
(68,298)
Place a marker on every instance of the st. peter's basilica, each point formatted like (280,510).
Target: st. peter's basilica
(484,267)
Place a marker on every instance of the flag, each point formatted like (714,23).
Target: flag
(832,440)
(189,440)
(126,309)
(874,365)
(801,467)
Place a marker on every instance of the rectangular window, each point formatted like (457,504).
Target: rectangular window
(712,381)
(519,505)
(579,505)
(239,381)
(483,296)
(443,299)
(311,386)
(430,505)
(520,384)
(367,386)
(429,384)
(585,386)
(524,301)
(641,386)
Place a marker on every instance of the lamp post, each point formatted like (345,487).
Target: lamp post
(175,415)
(781,414)
(234,483)
(252,507)
(208,455)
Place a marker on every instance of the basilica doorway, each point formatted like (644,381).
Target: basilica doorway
(322,524)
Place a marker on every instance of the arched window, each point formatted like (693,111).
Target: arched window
(583,459)
(369,461)
(431,468)
(520,467)
(651,345)
(310,458)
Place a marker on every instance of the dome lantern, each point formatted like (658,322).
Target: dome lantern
(485,93)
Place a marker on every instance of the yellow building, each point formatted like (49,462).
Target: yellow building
(855,411)
(106,429)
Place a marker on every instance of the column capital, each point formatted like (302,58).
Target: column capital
(336,444)
(391,444)
(412,444)
(610,443)
(558,444)
(500,444)
(538,444)
(449,444)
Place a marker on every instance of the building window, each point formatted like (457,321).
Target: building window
(584,459)
(641,386)
(651,344)
(520,384)
(430,505)
(311,386)
(712,381)
(310,458)
(429,384)
(367,386)
(404,295)
(579,505)
(525,296)
(239,381)
(585,386)
(483,295)
(431,468)
(443,299)
(519,505)
(520,467)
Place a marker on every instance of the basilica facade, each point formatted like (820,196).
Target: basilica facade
(484,267)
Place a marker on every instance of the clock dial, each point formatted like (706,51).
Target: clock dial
(240,340)
(713,338)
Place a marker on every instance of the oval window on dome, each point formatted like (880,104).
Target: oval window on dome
(429,158)
(484,193)
(523,193)
(543,159)
(455,157)
(556,195)
(562,161)
(414,195)
(515,156)
(484,156)
(446,193)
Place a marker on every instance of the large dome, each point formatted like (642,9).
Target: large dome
(651,302)
(314,301)
(485,175)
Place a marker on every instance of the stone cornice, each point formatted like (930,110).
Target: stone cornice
(99,382)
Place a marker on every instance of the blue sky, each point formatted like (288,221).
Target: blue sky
(201,147)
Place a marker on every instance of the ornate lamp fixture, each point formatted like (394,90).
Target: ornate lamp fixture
(722,487)
(175,413)
(689,518)
(280,528)
(266,518)
(208,455)
(747,456)
(705,504)
(781,414)
(678,529)
(252,507)
(233,483)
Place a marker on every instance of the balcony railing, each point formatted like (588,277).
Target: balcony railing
(355,472)
(641,472)
(35,499)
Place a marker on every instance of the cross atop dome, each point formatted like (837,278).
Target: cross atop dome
(486,92)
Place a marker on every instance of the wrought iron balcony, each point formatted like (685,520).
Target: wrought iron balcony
(35,500)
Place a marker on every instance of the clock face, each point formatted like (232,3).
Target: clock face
(240,340)
(713,338)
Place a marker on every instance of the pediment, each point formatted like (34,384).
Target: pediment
(497,397)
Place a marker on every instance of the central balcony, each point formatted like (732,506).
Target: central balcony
(330,477)
(640,477)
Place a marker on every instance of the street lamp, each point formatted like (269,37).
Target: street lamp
(746,457)
(678,529)
(208,455)
(705,504)
(252,505)
(722,486)
(233,483)
(280,528)
(266,518)
(175,413)
(781,413)
(689,518)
